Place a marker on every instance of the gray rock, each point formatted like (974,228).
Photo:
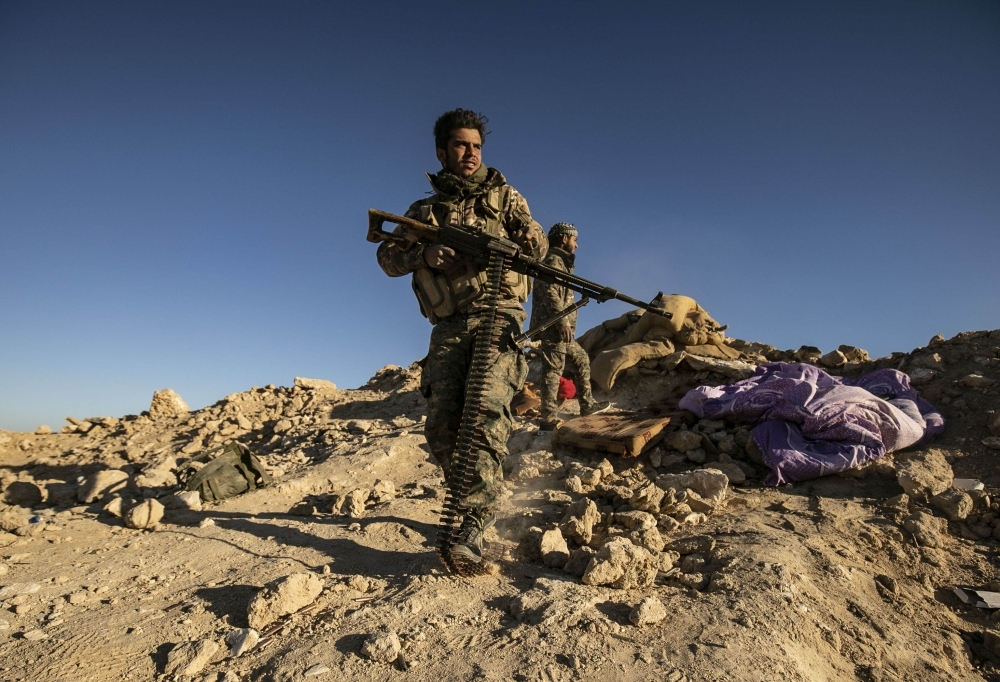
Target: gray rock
(382,646)
(697,455)
(976,381)
(647,612)
(167,404)
(732,470)
(282,597)
(190,658)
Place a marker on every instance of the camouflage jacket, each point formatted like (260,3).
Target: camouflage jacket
(472,205)
(548,299)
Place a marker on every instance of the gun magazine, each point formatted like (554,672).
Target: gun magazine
(470,433)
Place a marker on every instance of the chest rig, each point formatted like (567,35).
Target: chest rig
(444,293)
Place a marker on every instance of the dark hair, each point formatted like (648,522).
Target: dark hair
(456,119)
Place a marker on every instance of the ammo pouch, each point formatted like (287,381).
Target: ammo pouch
(441,294)
(235,471)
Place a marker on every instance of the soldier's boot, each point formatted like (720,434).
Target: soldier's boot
(594,408)
(469,544)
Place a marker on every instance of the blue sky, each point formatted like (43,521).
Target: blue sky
(183,185)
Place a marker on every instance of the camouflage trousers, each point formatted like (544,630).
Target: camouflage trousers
(554,357)
(443,384)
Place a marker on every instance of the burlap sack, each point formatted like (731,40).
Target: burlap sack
(608,364)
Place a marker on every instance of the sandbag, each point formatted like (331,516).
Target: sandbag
(651,327)
(628,435)
(608,364)
(608,334)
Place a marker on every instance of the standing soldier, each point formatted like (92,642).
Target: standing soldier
(467,194)
(558,343)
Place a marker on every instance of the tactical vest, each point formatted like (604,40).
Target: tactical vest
(443,293)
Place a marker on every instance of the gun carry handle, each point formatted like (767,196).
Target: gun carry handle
(376,234)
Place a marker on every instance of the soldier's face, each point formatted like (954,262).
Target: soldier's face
(570,243)
(464,154)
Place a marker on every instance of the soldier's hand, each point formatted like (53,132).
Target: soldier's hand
(524,239)
(566,333)
(439,257)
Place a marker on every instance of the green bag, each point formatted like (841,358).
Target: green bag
(235,471)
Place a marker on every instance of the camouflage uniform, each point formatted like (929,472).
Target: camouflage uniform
(546,301)
(461,202)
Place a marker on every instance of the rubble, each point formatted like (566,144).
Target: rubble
(647,612)
(167,404)
(282,597)
(190,658)
(382,646)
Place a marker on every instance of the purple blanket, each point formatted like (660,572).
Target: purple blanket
(809,424)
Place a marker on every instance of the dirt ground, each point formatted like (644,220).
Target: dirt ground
(832,579)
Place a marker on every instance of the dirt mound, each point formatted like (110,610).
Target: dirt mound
(676,565)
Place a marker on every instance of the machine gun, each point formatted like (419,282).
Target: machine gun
(495,256)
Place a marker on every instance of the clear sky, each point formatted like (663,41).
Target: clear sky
(183,185)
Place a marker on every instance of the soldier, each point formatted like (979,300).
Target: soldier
(470,195)
(558,343)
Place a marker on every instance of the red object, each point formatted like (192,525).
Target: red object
(567,389)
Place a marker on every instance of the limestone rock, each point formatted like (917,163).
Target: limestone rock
(976,381)
(636,520)
(810,354)
(647,499)
(711,484)
(926,528)
(43,430)
(834,358)
(354,503)
(145,515)
(382,646)
(992,442)
(924,474)
(650,610)
(578,561)
(167,404)
(282,597)
(383,491)
(315,384)
(241,641)
(551,601)
(12,519)
(732,471)
(994,424)
(684,441)
(553,549)
(101,484)
(190,658)
(854,354)
(23,494)
(187,500)
(955,504)
(114,507)
(622,565)
(578,523)
(694,544)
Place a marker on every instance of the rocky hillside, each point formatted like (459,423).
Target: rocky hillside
(678,565)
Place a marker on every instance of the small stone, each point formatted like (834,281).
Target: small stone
(241,641)
(647,498)
(992,442)
(636,520)
(382,646)
(167,404)
(316,670)
(926,528)
(647,612)
(77,598)
(833,359)
(578,523)
(696,581)
(924,473)
(282,426)
(606,468)
(553,549)
(315,384)
(991,641)
(692,563)
(578,561)
(282,597)
(145,515)
(114,507)
(34,635)
(683,441)
(101,484)
(732,471)
(994,424)
(936,341)
(190,658)
(955,504)
(12,519)
(854,354)
(189,500)
(43,430)
(810,354)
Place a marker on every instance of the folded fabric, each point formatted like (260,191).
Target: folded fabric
(810,424)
